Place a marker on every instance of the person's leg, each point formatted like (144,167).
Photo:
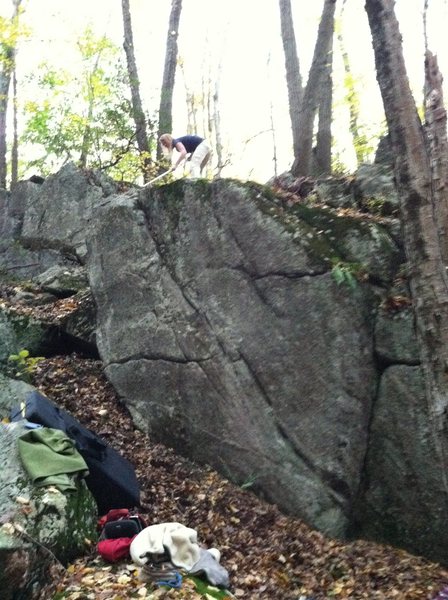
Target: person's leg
(199,159)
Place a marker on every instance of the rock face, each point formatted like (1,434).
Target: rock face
(45,225)
(217,348)
(223,330)
(403,496)
(232,326)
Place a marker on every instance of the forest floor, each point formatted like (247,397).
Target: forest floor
(269,555)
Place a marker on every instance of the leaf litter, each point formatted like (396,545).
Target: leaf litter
(269,555)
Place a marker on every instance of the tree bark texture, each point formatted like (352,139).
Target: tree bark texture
(9,55)
(5,79)
(323,140)
(292,67)
(217,122)
(419,194)
(352,98)
(436,123)
(169,72)
(86,137)
(15,138)
(134,83)
(311,97)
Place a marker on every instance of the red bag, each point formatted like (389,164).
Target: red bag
(115,549)
(113,515)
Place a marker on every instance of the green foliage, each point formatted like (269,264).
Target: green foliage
(338,167)
(347,273)
(249,482)
(85,119)
(375,205)
(364,139)
(24,364)
(11,31)
(207,590)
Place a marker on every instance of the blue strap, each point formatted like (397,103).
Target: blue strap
(173,582)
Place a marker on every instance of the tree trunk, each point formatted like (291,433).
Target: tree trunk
(190,102)
(419,195)
(15,138)
(310,102)
(271,119)
(9,52)
(292,67)
(85,144)
(323,141)
(352,98)
(169,73)
(217,124)
(5,78)
(436,122)
(134,83)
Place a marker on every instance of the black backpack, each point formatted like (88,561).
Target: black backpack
(111,478)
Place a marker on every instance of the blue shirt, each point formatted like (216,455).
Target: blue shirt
(191,142)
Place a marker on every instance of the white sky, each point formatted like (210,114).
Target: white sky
(241,34)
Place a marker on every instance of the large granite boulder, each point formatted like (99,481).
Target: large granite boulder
(221,327)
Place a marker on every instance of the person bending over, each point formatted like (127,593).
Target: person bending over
(194,146)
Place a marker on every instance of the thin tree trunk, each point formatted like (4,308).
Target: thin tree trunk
(292,67)
(169,73)
(85,145)
(210,117)
(419,195)
(5,81)
(190,101)
(271,119)
(134,83)
(436,128)
(15,140)
(323,141)
(352,98)
(205,93)
(303,159)
(5,78)
(217,123)
(425,28)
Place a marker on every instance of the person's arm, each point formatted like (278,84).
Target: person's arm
(182,154)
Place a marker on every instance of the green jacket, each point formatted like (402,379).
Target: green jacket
(50,458)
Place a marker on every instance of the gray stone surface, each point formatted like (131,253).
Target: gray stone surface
(395,340)
(404,500)
(62,280)
(58,217)
(20,332)
(45,225)
(222,329)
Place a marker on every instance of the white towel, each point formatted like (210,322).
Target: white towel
(180,541)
